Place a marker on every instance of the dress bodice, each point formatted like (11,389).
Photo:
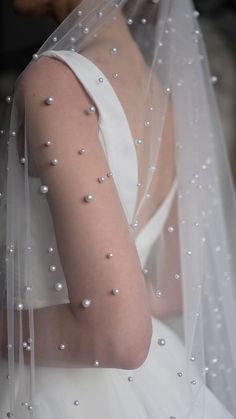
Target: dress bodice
(116,139)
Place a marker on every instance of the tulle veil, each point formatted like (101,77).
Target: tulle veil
(195,251)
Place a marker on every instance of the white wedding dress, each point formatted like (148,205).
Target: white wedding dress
(157,389)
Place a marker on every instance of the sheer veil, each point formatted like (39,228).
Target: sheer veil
(190,271)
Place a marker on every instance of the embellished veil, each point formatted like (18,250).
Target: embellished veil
(190,267)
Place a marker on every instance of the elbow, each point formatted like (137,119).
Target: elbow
(133,354)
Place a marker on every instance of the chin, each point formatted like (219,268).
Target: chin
(30,7)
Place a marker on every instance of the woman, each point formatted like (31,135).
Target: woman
(119,203)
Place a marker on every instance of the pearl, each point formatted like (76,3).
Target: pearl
(130,379)
(28,288)
(168,90)
(100,13)
(101,179)
(145,271)
(54,162)
(189,252)
(54,39)
(109,255)
(143,21)
(192,358)
(24,344)
(43,189)
(61,347)
(180,374)
(9,415)
(28,348)
(22,160)
(30,407)
(147,123)
(13,134)
(129,21)
(115,76)
(76,402)
(92,109)
(155,1)
(48,143)
(100,80)
(49,100)
(138,141)
(35,57)
(109,174)
(196,13)
(8,99)
(86,303)
(161,342)
(88,198)
(170,229)
(86,30)
(50,250)
(114,50)
(58,286)
(72,39)
(115,291)
(214,79)
(52,268)
(79,13)
(193,382)
(19,307)
(96,363)
(81,151)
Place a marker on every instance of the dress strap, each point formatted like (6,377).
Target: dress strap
(115,134)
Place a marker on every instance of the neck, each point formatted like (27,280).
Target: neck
(60,9)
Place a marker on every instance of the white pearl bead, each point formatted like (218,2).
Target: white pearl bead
(86,30)
(161,342)
(114,50)
(52,268)
(109,255)
(22,160)
(54,162)
(61,347)
(139,141)
(24,344)
(81,151)
(115,76)
(96,363)
(50,250)
(79,13)
(43,189)
(180,374)
(145,271)
(8,99)
(35,57)
(109,174)
(130,379)
(58,286)
(101,179)
(28,288)
(115,291)
(76,402)
(143,21)
(49,100)
(54,39)
(100,13)
(13,134)
(129,21)
(100,80)
(86,303)
(30,407)
(20,306)
(214,79)
(92,109)
(48,143)
(88,198)
(72,39)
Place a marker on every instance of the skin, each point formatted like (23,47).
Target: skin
(63,314)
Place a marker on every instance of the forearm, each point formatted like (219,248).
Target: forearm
(60,340)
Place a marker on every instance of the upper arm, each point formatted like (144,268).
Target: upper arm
(85,232)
